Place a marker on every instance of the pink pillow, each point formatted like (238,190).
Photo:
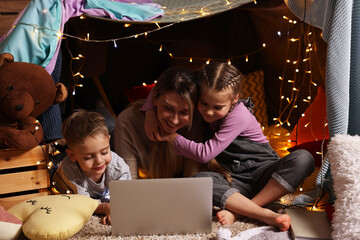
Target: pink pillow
(9,224)
(139,92)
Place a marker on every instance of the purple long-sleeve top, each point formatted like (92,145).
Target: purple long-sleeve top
(239,122)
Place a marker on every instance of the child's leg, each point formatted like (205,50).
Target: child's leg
(270,193)
(241,205)
(291,172)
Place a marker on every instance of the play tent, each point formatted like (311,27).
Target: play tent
(287,48)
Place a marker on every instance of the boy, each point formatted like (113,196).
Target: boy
(90,164)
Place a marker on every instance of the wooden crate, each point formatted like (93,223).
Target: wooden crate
(23,174)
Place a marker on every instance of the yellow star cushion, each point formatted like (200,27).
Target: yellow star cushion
(54,216)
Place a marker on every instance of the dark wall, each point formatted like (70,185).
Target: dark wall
(232,34)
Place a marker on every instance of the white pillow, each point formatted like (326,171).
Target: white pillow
(344,159)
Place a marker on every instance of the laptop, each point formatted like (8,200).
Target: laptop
(161,206)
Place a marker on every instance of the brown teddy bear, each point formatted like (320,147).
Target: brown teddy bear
(26,91)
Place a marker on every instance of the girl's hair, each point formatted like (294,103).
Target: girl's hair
(219,76)
(163,162)
(82,124)
(181,81)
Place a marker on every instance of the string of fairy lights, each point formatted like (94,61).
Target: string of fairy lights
(296,69)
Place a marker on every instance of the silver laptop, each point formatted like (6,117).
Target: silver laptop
(161,206)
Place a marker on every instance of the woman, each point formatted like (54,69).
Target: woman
(174,97)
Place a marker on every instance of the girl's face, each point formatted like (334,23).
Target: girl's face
(172,111)
(214,105)
(93,156)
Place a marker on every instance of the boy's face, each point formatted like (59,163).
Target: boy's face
(93,156)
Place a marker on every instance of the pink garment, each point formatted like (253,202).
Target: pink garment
(239,122)
(75,8)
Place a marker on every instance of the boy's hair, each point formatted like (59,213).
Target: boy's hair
(181,81)
(219,76)
(82,124)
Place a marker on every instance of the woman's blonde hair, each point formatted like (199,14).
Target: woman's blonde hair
(163,162)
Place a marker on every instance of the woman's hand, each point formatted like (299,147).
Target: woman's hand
(152,128)
(169,137)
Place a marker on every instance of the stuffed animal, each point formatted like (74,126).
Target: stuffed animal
(26,91)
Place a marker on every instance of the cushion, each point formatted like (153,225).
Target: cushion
(252,85)
(310,136)
(54,216)
(10,225)
(139,92)
(344,158)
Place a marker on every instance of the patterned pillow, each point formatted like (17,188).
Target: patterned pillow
(252,86)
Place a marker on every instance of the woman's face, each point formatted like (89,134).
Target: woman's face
(172,111)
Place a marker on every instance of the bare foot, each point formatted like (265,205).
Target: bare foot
(283,222)
(280,221)
(226,217)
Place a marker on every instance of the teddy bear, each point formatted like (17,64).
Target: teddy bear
(26,91)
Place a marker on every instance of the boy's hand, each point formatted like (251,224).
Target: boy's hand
(107,218)
(104,208)
(152,126)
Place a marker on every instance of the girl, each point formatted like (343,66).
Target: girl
(174,96)
(251,174)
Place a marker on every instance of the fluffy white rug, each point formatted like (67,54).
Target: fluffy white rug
(243,229)
(344,159)
(95,230)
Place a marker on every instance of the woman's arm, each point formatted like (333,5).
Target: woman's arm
(151,126)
